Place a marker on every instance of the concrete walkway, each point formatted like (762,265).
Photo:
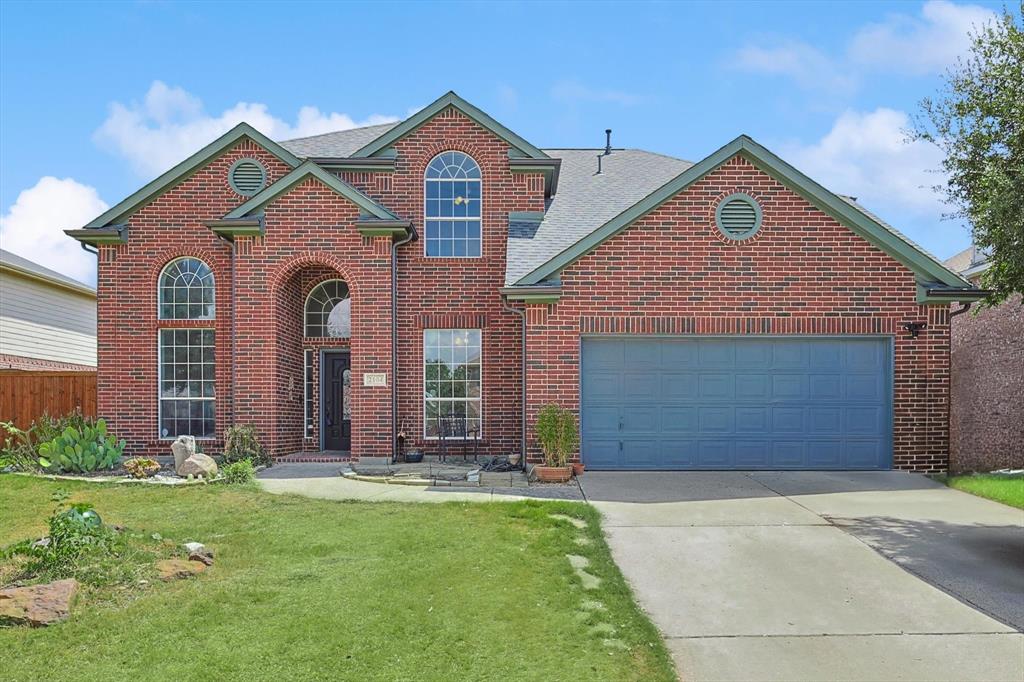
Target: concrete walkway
(801,576)
(323,481)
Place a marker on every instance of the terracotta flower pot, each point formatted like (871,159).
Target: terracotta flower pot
(578,468)
(547,474)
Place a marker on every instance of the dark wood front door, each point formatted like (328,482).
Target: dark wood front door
(336,408)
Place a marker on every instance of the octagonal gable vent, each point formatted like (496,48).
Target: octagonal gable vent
(738,216)
(247,176)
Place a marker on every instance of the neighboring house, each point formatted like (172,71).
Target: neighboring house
(987,385)
(47,342)
(47,320)
(336,289)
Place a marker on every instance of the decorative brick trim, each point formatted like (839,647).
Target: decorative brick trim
(452,321)
(23,364)
(606,324)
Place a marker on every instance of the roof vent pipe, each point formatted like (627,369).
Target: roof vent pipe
(607,141)
(599,163)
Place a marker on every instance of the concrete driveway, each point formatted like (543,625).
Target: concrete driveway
(813,576)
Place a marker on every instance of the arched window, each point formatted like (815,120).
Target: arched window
(186,290)
(452,209)
(329,311)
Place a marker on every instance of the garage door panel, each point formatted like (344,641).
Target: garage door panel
(640,385)
(602,386)
(717,386)
(825,387)
(678,453)
(753,453)
(751,386)
(716,419)
(714,453)
(679,419)
(601,420)
(676,386)
(641,453)
(640,419)
(736,402)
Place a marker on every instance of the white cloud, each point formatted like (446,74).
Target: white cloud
(34,226)
(809,66)
(919,45)
(171,123)
(573,91)
(914,45)
(867,155)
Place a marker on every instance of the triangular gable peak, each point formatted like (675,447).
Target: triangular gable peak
(926,268)
(382,146)
(116,215)
(375,220)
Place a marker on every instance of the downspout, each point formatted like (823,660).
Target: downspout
(394,338)
(966,306)
(234,329)
(522,369)
(89,249)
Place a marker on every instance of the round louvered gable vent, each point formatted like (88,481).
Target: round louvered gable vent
(247,176)
(738,216)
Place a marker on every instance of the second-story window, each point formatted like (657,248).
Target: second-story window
(452,209)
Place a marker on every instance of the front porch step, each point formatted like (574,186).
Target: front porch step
(312,458)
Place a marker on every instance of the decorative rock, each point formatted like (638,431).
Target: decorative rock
(191,547)
(198,465)
(38,605)
(172,569)
(202,557)
(182,448)
(42,542)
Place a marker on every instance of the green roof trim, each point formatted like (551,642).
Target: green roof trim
(935,293)
(379,146)
(858,221)
(304,171)
(370,227)
(229,229)
(100,235)
(186,168)
(535,294)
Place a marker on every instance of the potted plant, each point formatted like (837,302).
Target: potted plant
(558,435)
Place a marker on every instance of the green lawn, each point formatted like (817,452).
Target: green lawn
(308,589)
(1005,489)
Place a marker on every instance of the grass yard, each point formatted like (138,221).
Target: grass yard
(308,589)
(1005,489)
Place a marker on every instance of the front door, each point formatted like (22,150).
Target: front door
(336,408)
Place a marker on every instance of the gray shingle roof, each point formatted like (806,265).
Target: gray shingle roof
(17,262)
(585,201)
(338,143)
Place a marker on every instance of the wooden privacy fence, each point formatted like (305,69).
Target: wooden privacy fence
(26,396)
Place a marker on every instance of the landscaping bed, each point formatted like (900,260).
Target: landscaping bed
(310,589)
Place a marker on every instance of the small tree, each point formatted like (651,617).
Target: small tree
(558,434)
(977,120)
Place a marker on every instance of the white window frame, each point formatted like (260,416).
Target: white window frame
(160,289)
(423,385)
(308,384)
(160,382)
(452,218)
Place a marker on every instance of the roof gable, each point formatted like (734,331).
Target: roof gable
(852,216)
(449,99)
(309,169)
(117,214)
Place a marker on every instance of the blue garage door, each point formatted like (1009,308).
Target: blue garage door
(736,403)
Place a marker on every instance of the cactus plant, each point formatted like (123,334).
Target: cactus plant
(81,450)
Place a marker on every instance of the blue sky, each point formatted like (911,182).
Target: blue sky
(99,98)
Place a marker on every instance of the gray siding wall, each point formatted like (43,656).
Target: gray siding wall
(38,320)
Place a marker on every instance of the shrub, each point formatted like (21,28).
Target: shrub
(241,442)
(239,472)
(19,450)
(81,450)
(558,434)
(141,467)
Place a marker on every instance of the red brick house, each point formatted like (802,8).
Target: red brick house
(338,290)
